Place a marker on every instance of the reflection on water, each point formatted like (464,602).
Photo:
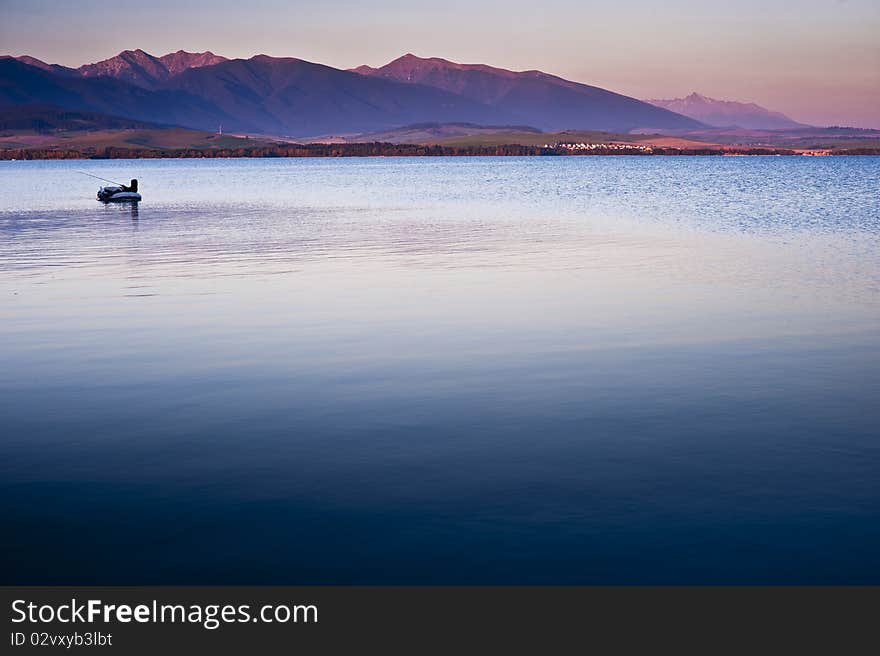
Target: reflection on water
(560,370)
(132,209)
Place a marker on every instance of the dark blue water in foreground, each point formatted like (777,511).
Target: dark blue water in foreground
(560,370)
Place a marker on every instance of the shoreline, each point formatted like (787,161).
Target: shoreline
(406,150)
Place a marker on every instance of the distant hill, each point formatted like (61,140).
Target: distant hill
(572,137)
(532,97)
(422,133)
(47,119)
(805,137)
(728,113)
(137,139)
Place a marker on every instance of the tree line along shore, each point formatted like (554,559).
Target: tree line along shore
(389,150)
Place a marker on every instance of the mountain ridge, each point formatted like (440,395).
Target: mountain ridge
(533,97)
(145,70)
(264,95)
(291,96)
(294,97)
(23,84)
(728,113)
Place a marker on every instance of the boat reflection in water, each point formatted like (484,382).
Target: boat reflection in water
(132,208)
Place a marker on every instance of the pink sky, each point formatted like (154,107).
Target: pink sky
(816,60)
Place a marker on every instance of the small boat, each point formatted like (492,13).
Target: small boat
(117,194)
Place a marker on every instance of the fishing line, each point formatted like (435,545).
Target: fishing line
(97,177)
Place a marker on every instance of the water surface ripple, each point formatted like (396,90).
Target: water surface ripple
(441,370)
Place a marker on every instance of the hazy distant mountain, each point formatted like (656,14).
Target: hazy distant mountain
(532,97)
(728,113)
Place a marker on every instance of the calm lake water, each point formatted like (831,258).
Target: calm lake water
(545,370)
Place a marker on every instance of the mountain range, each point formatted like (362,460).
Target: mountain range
(531,97)
(728,113)
(294,97)
(135,66)
(285,96)
(24,86)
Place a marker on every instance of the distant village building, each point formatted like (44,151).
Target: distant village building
(620,147)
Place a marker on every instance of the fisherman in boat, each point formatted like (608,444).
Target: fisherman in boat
(120,192)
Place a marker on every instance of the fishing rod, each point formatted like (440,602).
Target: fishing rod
(97,177)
